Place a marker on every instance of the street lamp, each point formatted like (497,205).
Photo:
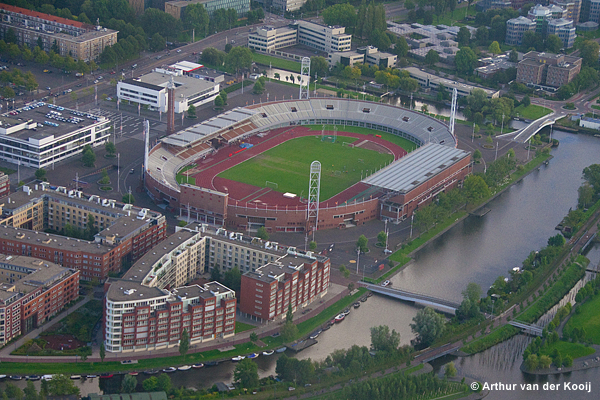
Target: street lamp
(357,258)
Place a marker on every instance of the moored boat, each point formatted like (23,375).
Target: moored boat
(16,377)
(369,294)
(106,376)
(2,376)
(75,377)
(356,305)
(47,378)
(211,364)
(87,376)
(281,350)
(184,367)
(134,373)
(238,358)
(268,353)
(252,356)
(169,370)
(151,372)
(33,377)
(340,317)
(198,366)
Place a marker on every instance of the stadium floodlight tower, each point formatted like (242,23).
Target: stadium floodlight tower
(453,110)
(146,145)
(314,188)
(304,78)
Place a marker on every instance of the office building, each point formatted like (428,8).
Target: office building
(573,8)
(427,80)
(151,90)
(31,292)
(547,69)
(39,134)
(375,57)
(541,15)
(177,8)
(125,232)
(287,5)
(564,29)
(322,37)
(267,38)
(73,38)
(346,58)
(516,28)
(590,11)
(489,66)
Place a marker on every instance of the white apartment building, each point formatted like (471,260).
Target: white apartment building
(267,38)
(516,28)
(39,134)
(151,90)
(322,37)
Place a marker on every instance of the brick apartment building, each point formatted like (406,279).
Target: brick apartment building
(32,291)
(547,69)
(125,232)
(80,41)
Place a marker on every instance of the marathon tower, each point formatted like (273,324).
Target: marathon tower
(171,107)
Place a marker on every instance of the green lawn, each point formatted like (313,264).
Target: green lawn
(8,171)
(288,165)
(241,327)
(588,318)
(532,111)
(575,350)
(400,141)
(183,178)
(456,18)
(275,62)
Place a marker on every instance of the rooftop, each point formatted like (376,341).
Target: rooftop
(47,122)
(417,167)
(34,238)
(43,16)
(184,85)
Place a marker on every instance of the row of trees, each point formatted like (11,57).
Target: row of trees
(417,9)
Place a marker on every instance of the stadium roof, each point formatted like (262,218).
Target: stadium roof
(415,168)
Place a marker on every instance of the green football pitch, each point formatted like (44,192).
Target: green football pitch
(285,168)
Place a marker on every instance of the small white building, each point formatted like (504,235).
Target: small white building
(592,123)
(39,134)
(151,90)
(375,57)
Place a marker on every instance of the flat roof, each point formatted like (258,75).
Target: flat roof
(417,167)
(184,85)
(39,112)
(143,84)
(123,290)
(58,242)
(186,66)
(46,17)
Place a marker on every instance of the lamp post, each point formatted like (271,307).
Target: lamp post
(357,259)
(412,217)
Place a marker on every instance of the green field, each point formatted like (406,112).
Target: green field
(288,166)
(400,141)
(532,111)
(575,350)
(289,65)
(183,178)
(588,318)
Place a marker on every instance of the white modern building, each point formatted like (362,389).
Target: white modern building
(564,29)
(322,37)
(427,80)
(573,8)
(516,28)
(151,90)
(39,134)
(287,5)
(375,57)
(268,38)
(541,15)
(346,58)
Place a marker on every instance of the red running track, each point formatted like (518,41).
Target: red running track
(245,194)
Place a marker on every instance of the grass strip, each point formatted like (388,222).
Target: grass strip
(275,62)
(532,111)
(241,327)
(485,342)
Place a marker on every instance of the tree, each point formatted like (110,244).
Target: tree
(494,48)
(110,148)
(544,362)
(568,361)
(312,245)
(262,233)
(150,384)
(289,315)
(289,331)
(11,36)
(463,37)
(475,189)
(319,66)
(472,292)
(158,43)
(345,271)
(513,56)
(102,351)
(30,392)
(191,112)
(219,103)
(164,383)
(465,61)
(196,17)
(554,44)
(526,101)
(589,50)
(184,343)
(557,240)
(238,58)
(428,325)
(362,244)
(477,155)
(586,195)
(89,158)
(382,238)
(432,58)
(129,383)
(40,174)
(532,40)
(450,370)
(482,34)
(13,391)
(425,109)
(384,340)
(253,337)
(340,14)
(213,56)
(128,199)
(223,96)
(62,385)
(259,87)
(233,279)
(246,374)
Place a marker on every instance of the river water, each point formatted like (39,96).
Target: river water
(475,250)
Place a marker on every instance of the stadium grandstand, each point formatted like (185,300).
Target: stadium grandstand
(194,144)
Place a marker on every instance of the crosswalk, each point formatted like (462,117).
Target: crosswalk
(131,125)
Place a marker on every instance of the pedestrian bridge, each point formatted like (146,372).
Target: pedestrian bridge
(439,304)
(527,328)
